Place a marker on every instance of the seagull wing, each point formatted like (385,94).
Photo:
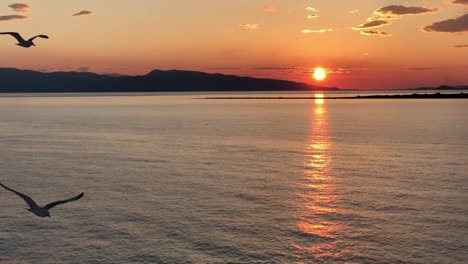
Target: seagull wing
(53,204)
(16,35)
(26,198)
(38,36)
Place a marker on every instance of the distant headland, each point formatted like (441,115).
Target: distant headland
(385,96)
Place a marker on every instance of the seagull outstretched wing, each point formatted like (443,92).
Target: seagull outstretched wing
(38,36)
(53,204)
(26,198)
(16,35)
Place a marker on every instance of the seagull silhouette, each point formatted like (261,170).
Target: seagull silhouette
(36,209)
(21,41)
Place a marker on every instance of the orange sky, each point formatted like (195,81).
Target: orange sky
(277,38)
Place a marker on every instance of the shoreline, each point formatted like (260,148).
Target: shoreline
(396,96)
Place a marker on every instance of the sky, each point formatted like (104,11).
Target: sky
(367,44)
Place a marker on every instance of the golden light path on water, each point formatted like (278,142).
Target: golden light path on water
(319,100)
(319,201)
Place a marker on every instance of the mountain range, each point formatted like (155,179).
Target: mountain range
(27,81)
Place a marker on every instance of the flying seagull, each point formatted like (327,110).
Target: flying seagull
(36,209)
(21,41)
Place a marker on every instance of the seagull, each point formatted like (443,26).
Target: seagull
(36,209)
(21,42)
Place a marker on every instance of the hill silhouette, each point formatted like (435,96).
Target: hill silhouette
(27,81)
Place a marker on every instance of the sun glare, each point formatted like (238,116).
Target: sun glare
(320,74)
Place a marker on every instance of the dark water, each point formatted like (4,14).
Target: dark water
(172,179)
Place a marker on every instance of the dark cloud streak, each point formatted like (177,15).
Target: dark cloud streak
(19,7)
(456,25)
(460,2)
(83,13)
(399,10)
(12,17)
(371,24)
(375,33)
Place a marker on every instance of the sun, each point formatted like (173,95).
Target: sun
(320,74)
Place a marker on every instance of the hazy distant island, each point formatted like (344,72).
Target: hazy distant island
(26,81)
(381,96)
(415,96)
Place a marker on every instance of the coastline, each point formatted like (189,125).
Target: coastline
(396,96)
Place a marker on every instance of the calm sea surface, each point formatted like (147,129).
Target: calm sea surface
(179,179)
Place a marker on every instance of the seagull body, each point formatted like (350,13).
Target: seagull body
(38,210)
(21,41)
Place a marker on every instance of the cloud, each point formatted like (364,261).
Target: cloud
(224,68)
(373,18)
(83,13)
(460,2)
(459,24)
(372,24)
(375,33)
(312,9)
(312,16)
(461,46)
(270,9)
(274,68)
(307,31)
(249,26)
(12,17)
(354,11)
(20,7)
(399,10)
(83,69)
(338,70)
(421,69)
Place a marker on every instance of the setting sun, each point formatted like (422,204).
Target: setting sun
(320,74)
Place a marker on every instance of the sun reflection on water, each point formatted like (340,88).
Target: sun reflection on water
(319,99)
(319,200)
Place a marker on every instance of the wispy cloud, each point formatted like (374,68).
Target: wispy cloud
(83,69)
(83,13)
(312,16)
(12,17)
(459,24)
(461,46)
(270,9)
(19,7)
(313,9)
(460,2)
(224,68)
(421,69)
(354,11)
(307,31)
(250,26)
(372,24)
(274,68)
(399,10)
(375,33)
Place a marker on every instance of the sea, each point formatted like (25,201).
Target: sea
(177,178)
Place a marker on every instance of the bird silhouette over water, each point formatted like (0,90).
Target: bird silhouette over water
(36,209)
(21,41)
